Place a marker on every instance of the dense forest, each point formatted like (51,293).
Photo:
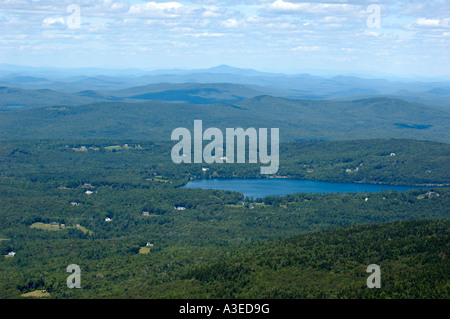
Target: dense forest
(298,120)
(109,207)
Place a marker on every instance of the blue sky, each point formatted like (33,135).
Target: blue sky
(400,38)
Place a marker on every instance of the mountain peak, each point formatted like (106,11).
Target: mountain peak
(224,68)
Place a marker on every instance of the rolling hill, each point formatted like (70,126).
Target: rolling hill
(10,96)
(296,119)
(298,86)
(195,93)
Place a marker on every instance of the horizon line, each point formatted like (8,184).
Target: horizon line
(307,72)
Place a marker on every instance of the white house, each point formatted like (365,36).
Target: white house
(180,208)
(89,192)
(431,194)
(107,219)
(11,254)
(149,244)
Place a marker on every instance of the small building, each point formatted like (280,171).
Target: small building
(11,254)
(367,199)
(149,244)
(432,194)
(251,206)
(75,204)
(87,185)
(107,219)
(392,154)
(89,192)
(145,213)
(54,224)
(179,208)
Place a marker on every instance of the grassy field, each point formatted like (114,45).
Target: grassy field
(58,227)
(36,294)
(46,226)
(113,147)
(144,250)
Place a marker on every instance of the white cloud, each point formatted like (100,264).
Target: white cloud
(422,22)
(281,25)
(281,6)
(211,14)
(306,48)
(372,33)
(332,19)
(230,23)
(207,35)
(285,7)
(50,22)
(153,9)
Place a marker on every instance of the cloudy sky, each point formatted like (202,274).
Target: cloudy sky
(402,38)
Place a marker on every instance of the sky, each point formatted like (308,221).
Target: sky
(398,38)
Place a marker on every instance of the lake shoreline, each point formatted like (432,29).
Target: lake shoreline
(262,187)
(317,180)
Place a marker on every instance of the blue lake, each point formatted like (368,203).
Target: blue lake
(261,187)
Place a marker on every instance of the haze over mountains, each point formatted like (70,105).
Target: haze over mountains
(304,86)
(149,105)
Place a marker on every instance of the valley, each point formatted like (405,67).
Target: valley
(87,179)
(222,244)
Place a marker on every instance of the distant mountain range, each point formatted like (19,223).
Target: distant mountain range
(150,106)
(300,86)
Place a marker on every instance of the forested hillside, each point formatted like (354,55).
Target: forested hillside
(298,120)
(412,255)
(98,203)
